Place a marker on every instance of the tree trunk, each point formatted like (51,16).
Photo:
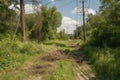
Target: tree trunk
(84,26)
(22,20)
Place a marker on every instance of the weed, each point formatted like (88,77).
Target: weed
(63,70)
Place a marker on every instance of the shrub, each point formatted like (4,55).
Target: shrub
(106,35)
(105,61)
(107,68)
(12,54)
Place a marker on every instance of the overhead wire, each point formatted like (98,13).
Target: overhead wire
(61,6)
(66,4)
(89,4)
(40,1)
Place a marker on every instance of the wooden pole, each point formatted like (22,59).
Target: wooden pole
(84,27)
(22,21)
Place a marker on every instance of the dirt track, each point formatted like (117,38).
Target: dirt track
(43,63)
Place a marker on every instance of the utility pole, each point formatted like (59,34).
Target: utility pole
(84,27)
(22,21)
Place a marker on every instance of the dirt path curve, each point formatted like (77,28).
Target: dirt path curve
(83,70)
(45,62)
(84,76)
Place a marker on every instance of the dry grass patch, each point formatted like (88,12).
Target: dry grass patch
(53,56)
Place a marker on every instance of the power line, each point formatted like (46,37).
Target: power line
(89,4)
(66,4)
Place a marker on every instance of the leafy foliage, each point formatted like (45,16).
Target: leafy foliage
(105,62)
(12,54)
(62,35)
(103,45)
(51,19)
(106,35)
(105,26)
(6,15)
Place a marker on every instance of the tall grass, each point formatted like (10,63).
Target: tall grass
(15,53)
(63,70)
(105,62)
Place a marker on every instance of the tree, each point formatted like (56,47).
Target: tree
(62,35)
(110,10)
(78,33)
(7,22)
(54,21)
(31,25)
(103,27)
(22,20)
(51,19)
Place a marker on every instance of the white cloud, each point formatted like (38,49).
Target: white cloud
(52,0)
(91,11)
(68,24)
(28,8)
(79,11)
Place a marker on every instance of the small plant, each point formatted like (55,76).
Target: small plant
(105,62)
(12,54)
(62,71)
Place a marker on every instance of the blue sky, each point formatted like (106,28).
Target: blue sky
(67,6)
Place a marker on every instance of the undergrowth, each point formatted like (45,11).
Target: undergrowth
(63,70)
(15,53)
(105,61)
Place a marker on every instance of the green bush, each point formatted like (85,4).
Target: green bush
(14,53)
(90,52)
(62,35)
(107,66)
(106,35)
(27,49)
(105,62)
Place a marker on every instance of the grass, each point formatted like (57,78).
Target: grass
(16,75)
(105,62)
(13,55)
(23,60)
(63,70)
(66,45)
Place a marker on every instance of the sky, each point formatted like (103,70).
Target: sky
(67,6)
(68,9)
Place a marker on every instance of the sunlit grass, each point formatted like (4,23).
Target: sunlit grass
(63,70)
(13,54)
(16,57)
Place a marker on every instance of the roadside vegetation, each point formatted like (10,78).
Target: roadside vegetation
(15,53)
(33,61)
(103,35)
(46,54)
(61,71)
